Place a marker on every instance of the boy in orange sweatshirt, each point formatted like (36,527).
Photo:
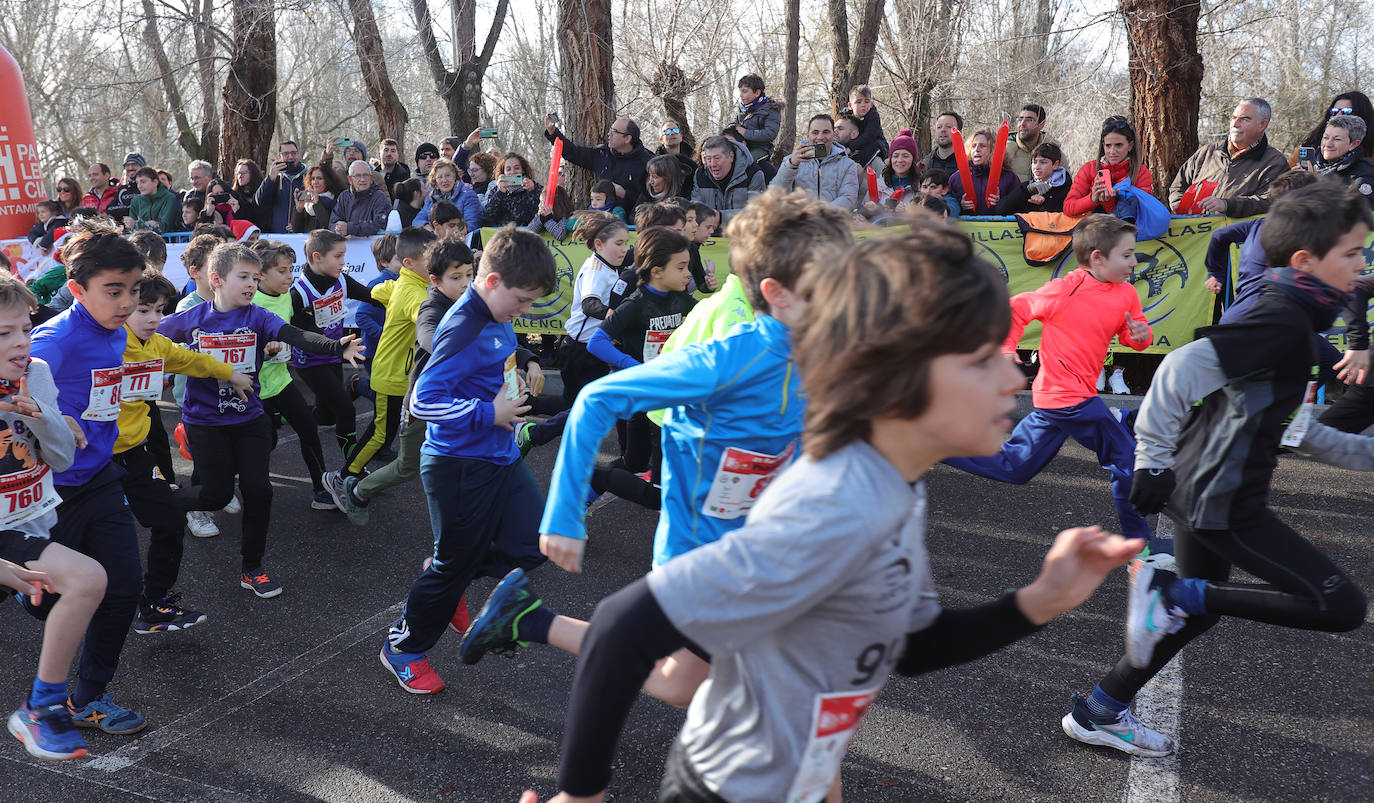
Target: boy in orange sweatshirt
(1081,313)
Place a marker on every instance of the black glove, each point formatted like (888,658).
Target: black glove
(1151,489)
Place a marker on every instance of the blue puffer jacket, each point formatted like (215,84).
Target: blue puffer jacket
(469,204)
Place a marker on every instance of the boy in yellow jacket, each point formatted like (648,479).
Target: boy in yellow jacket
(147,357)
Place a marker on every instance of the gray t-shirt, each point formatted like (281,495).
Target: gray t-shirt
(30,450)
(805,611)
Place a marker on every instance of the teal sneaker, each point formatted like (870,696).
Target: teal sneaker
(522,437)
(103,713)
(497,627)
(357,513)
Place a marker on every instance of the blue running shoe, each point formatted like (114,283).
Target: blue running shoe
(497,627)
(107,715)
(47,732)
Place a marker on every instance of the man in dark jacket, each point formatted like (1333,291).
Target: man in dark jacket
(128,190)
(276,196)
(727,178)
(394,171)
(362,209)
(622,160)
(1242,166)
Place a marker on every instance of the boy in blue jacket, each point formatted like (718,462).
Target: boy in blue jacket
(735,409)
(483,502)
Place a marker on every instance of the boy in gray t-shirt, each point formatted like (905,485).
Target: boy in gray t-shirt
(826,589)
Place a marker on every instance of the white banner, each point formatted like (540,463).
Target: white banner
(25,260)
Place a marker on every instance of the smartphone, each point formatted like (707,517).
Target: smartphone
(303,195)
(1307,156)
(342,142)
(487,133)
(822,151)
(553,117)
(1105,176)
(512,181)
(220,197)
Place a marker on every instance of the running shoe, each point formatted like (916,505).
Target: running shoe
(323,501)
(357,512)
(1149,616)
(1117,382)
(497,627)
(334,484)
(201,525)
(165,616)
(413,672)
(47,732)
(522,437)
(106,715)
(183,442)
(259,583)
(234,507)
(462,619)
(1127,734)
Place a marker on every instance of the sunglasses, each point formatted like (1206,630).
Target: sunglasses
(668,131)
(1339,110)
(1116,123)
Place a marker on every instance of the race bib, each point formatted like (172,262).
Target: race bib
(239,350)
(512,378)
(653,342)
(740,478)
(26,494)
(329,310)
(1302,419)
(142,381)
(283,355)
(103,404)
(834,720)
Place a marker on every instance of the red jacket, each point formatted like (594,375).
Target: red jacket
(1080,200)
(101,202)
(1081,315)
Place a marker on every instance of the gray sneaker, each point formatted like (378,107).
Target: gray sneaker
(357,514)
(201,525)
(334,483)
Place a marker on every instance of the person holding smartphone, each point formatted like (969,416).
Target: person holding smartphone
(1117,158)
(513,197)
(276,195)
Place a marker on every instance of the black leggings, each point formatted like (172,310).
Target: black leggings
(579,369)
(1353,412)
(1302,588)
(158,445)
(221,453)
(290,404)
(332,402)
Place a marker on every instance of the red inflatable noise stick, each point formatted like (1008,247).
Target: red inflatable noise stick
(999,154)
(965,172)
(897,194)
(872,186)
(551,186)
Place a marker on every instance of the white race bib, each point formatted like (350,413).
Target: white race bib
(239,350)
(740,478)
(329,309)
(26,494)
(653,342)
(142,381)
(103,404)
(834,720)
(1302,419)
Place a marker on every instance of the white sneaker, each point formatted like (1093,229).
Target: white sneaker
(201,525)
(1148,618)
(1102,379)
(234,507)
(1127,734)
(1117,383)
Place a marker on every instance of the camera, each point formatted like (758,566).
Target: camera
(220,197)
(822,151)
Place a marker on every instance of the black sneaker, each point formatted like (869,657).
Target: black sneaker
(497,628)
(166,615)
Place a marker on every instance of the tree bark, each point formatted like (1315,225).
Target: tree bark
(852,68)
(203,34)
(787,134)
(186,135)
(250,90)
(670,85)
(367,41)
(461,88)
(584,42)
(1165,71)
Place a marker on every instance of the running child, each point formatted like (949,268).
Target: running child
(609,239)
(37,441)
(833,552)
(229,434)
(483,502)
(1208,468)
(1081,313)
(147,357)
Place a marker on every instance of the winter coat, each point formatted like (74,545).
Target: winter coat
(365,212)
(1353,169)
(161,206)
(1054,194)
(870,143)
(1080,201)
(103,200)
(469,203)
(1243,181)
(517,207)
(400,172)
(276,200)
(761,126)
(1007,184)
(406,211)
(625,169)
(834,179)
(1018,158)
(315,215)
(729,196)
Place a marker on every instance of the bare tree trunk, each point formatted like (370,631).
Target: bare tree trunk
(367,40)
(787,134)
(460,89)
(851,69)
(203,34)
(584,41)
(1166,83)
(186,135)
(670,85)
(250,90)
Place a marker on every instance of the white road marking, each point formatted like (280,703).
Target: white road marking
(1155,780)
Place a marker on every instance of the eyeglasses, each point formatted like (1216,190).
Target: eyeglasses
(1339,110)
(668,131)
(615,130)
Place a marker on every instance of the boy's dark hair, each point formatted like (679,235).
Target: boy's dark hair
(198,251)
(97,247)
(780,236)
(156,289)
(1313,219)
(197,204)
(958,119)
(754,82)
(1037,110)
(891,301)
(443,254)
(864,91)
(936,175)
(1290,181)
(703,210)
(51,206)
(322,241)
(154,248)
(412,242)
(522,259)
(13,291)
(659,214)
(273,250)
(217,230)
(933,203)
(1098,232)
(444,212)
(384,250)
(226,255)
(593,225)
(146,172)
(654,246)
(607,188)
(824,117)
(83,212)
(1048,150)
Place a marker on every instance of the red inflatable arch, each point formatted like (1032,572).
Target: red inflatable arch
(21,177)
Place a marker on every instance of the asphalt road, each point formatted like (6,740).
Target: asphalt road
(284,699)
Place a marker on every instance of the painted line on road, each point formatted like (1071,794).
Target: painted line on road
(1159,705)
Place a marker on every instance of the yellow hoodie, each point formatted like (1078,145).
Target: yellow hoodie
(144,365)
(395,355)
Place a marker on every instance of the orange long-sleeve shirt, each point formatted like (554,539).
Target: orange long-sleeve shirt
(1080,315)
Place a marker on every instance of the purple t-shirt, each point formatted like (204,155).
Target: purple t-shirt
(236,337)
